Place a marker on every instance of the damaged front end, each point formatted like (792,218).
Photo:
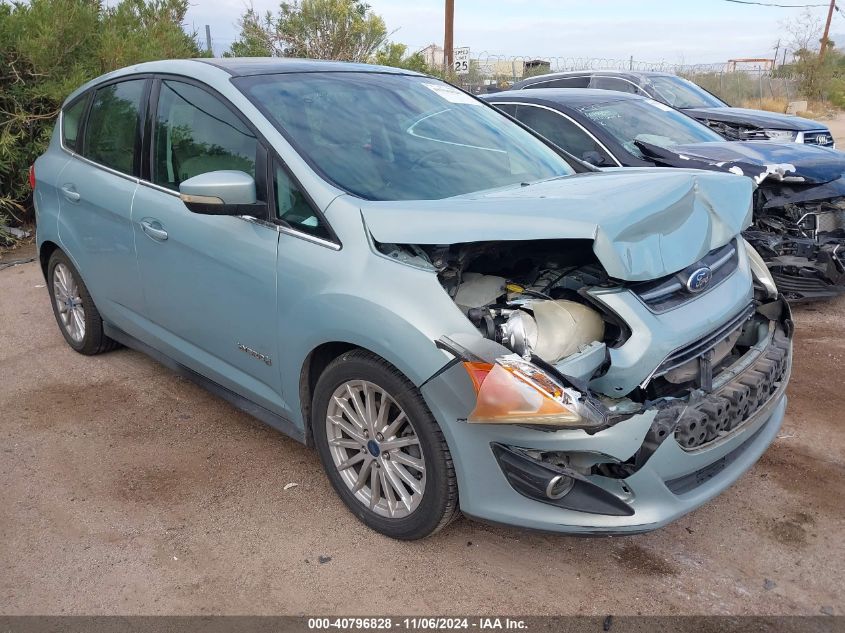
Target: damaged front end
(554,359)
(608,334)
(799,209)
(799,229)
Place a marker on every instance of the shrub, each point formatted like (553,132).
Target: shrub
(50,47)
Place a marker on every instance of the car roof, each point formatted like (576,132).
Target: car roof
(603,73)
(572,97)
(212,70)
(250,66)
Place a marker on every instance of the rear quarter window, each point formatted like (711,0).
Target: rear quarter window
(71,122)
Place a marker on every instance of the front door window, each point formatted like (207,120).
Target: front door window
(196,133)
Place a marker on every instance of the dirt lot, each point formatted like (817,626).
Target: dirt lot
(125,489)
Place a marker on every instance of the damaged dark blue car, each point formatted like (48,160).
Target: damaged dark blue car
(799,202)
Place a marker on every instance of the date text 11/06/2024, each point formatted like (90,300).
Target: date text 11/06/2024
(419,623)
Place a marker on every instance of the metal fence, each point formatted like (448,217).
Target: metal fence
(735,83)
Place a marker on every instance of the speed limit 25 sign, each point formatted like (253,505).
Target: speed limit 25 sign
(461,61)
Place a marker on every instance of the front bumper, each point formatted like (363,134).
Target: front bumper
(666,482)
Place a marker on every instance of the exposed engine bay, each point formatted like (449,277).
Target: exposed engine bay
(533,298)
(528,296)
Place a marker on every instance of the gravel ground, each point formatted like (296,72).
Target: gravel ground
(125,489)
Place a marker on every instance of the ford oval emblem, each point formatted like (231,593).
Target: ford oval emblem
(699,279)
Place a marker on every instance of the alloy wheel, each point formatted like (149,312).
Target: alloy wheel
(69,302)
(375,449)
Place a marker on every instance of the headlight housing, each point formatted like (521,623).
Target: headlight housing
(761,271)
(782,136)
(515,391)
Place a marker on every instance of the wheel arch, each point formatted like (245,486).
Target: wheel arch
(313,366)
(44,253)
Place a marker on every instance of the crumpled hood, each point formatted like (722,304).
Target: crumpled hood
(755,118)
(645,223)
(812,163)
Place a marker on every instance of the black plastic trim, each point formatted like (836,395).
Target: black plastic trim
(693,480)
(529,478)
(238,401)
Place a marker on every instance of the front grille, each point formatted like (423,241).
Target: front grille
(724,411)
(661,295)
(705,344)
(798,284)
(820,137)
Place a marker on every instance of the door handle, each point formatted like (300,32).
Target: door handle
(70,192)
(154,230)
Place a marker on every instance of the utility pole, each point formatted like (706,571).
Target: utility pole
(826,31)
(208,39)
(448,39)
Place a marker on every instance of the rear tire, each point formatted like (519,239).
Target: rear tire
(385,456)
(78,318)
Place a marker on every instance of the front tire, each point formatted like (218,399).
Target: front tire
(382,450)
(78,318)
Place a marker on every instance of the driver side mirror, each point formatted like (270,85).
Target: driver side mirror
(594,158)
(223,192)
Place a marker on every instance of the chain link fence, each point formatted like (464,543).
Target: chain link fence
(752,84)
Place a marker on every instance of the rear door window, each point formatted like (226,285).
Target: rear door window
(112,131)
(507,108)
(564,133)
(195,133)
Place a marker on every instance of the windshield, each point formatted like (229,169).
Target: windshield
(681,93)
(649,121)
(398,137)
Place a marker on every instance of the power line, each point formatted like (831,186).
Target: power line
(781,6)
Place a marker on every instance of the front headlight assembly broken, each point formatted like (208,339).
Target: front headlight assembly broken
(781,136)
(515,391)
(761,271)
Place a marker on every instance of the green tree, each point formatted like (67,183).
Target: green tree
(344,30)
(256,38)
(50,47)
(396,55)
(817,79)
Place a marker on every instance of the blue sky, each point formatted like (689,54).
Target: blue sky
(675,31)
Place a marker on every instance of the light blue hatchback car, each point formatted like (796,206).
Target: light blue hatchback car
(456,314)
